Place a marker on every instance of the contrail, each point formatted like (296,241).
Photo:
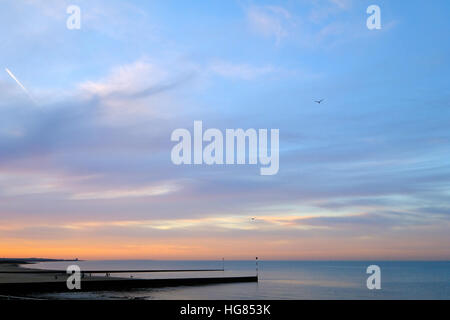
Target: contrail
(18,82)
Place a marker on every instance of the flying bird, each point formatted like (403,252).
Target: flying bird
(319,101)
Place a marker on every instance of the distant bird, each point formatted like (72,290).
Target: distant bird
(253,219)
(319,101)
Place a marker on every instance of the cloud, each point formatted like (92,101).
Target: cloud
(82,146)
(386,220)
(320,23)
(126,193)
(115,20)
(322,10)
(240,71)
(269,21)
(343,4)
(136,80)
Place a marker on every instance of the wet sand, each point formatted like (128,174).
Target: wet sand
(25,277)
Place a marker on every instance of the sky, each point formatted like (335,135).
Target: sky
(85,126)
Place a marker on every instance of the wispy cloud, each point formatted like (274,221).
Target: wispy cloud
(126,193)
(343,4)
(240,71)
(136,80)
(269,21)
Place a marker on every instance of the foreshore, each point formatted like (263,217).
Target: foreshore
(27,275)
(26,281)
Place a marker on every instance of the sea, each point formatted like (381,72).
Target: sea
(318,280)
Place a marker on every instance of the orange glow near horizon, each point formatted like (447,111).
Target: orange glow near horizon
(215,249)
(271,237)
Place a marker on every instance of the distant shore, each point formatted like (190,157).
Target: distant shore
(31,260)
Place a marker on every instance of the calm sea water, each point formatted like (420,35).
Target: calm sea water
(280,280)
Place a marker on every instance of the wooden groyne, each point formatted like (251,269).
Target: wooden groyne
(118,284)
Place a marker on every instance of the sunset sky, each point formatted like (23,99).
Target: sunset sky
(85,168)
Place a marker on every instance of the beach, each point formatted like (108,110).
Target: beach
(27,277)
(23,278)
(31,277)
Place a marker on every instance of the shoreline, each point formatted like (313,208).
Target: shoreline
(25,278)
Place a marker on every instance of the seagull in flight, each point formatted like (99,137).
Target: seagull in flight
(319,101)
